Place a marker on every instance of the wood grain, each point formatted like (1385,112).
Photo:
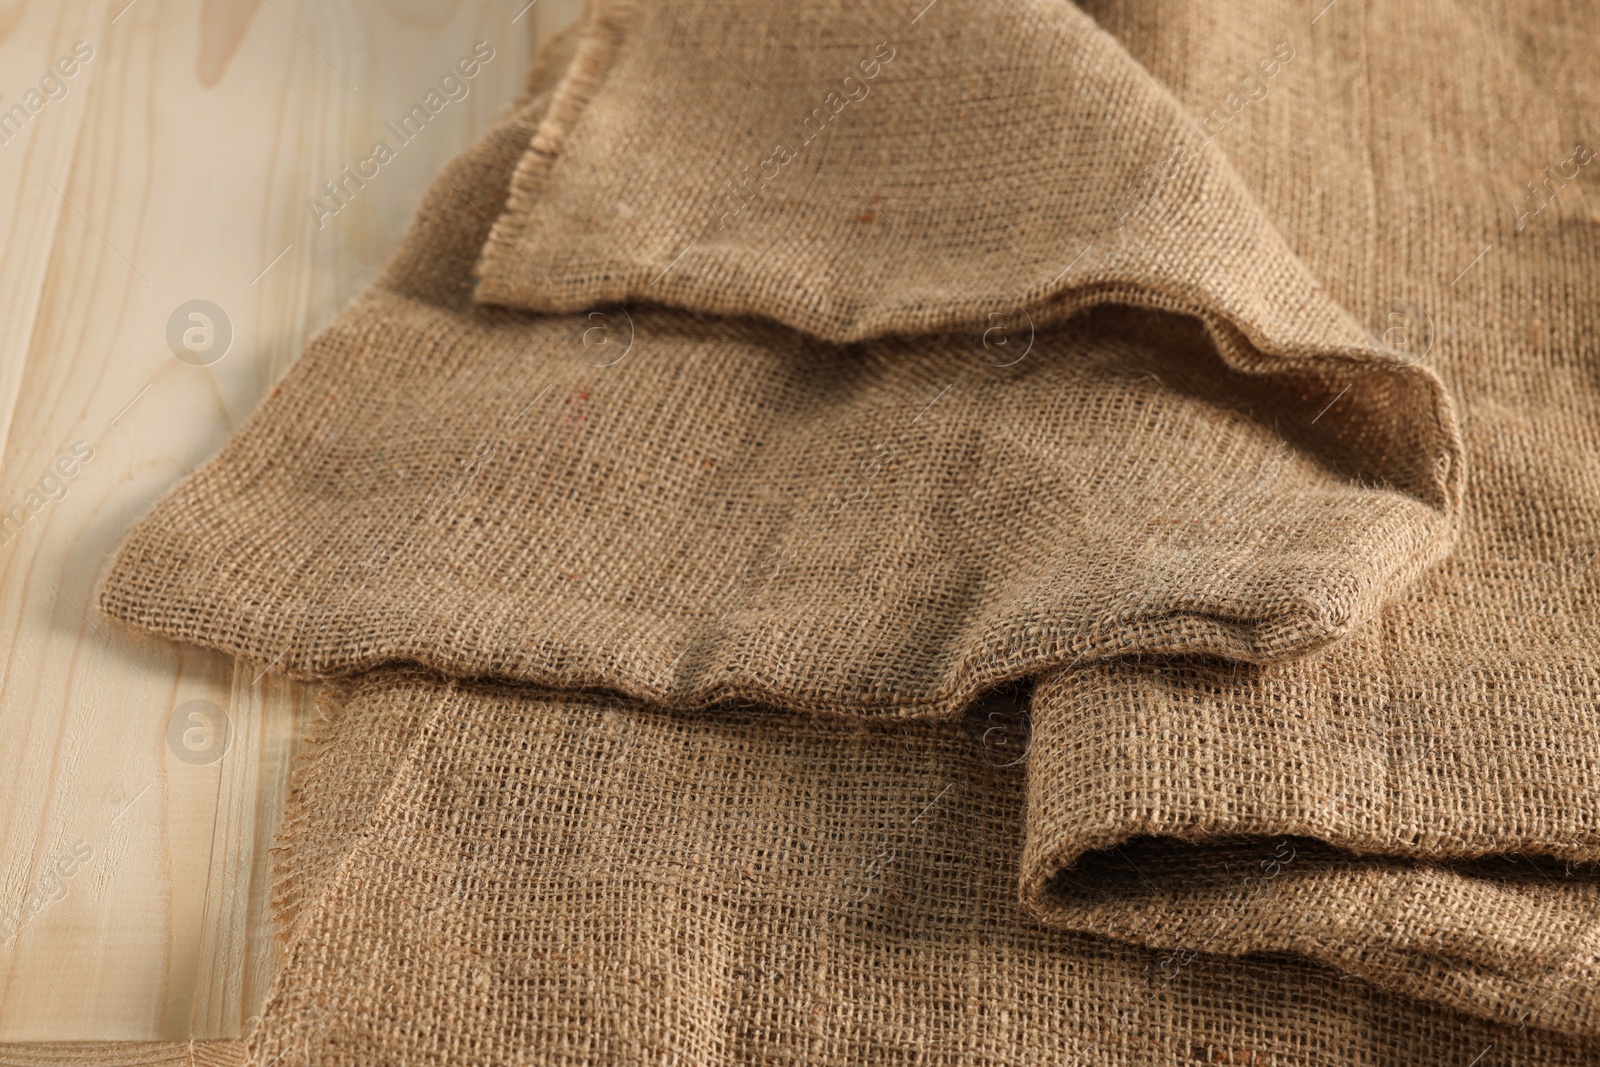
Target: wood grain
(177,167)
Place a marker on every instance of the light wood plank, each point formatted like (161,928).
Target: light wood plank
(184,174)
(35,148)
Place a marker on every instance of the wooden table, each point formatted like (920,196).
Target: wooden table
(173,164)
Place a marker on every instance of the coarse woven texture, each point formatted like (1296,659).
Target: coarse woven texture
(1465,720)
(689,507)
(854,500)
(1158,823)
(565,879)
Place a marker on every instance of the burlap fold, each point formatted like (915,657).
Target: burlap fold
(1365,851)
(563,879)
(1288,796)
(878,493)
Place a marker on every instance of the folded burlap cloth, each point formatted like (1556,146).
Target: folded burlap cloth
(858,535)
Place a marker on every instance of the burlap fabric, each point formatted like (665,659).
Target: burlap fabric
(1010,370)
(563,879)
(750,508)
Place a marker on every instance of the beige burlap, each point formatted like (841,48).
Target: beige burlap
(689,508)
(563,879)
(1007,366)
